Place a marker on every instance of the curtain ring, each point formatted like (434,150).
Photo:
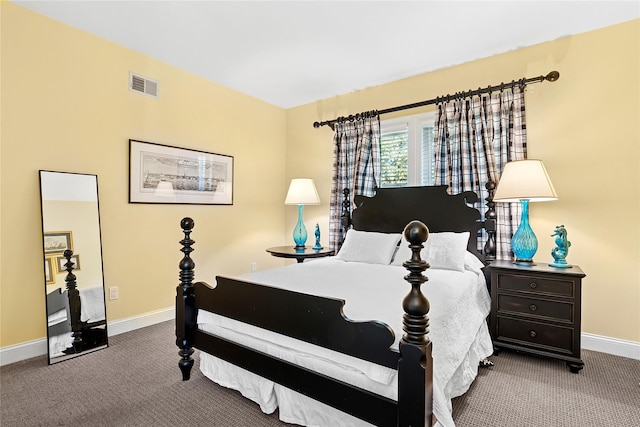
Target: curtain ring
(523,83)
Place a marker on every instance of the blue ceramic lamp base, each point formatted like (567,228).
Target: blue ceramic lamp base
(524,243)
(300,231)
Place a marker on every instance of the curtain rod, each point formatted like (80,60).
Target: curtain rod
(551,77)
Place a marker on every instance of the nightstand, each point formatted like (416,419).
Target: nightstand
(536,309)
(300,254)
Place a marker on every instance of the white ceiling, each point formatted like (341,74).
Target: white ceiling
(290,53)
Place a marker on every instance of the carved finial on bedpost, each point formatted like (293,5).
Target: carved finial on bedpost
(345,218)
(185,310)
(186,264)
(415,368)
(490,223)
(415,304)
(70,280)
(74,301)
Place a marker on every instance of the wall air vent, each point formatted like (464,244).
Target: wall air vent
(138,83)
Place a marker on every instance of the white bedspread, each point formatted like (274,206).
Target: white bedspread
(459,306)
(92,304)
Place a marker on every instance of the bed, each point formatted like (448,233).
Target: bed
(330,353)
(76,318)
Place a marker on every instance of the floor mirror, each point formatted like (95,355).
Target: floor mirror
(74,279)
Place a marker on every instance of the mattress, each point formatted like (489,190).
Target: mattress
(460,304)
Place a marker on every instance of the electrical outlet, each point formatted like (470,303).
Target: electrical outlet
(113,292)
(254,267)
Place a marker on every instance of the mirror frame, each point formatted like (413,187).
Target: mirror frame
(72,298)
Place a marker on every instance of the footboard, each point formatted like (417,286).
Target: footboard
(314,319)
(320,321)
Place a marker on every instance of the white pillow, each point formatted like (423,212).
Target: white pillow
(472,263)
(444,251)
(368,246)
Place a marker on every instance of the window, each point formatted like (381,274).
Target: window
(406,151)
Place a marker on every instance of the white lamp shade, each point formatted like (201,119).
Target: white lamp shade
(525,179)
(302,191)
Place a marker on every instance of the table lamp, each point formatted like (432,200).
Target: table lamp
(302,191)
(524,181)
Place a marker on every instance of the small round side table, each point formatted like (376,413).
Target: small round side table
(300,254)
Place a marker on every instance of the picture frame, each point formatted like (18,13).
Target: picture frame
(49,273)
(165,174)
(56,242)
(61,261)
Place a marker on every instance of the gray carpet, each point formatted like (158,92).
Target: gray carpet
(136,382)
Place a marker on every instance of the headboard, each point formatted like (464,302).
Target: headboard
(391,209)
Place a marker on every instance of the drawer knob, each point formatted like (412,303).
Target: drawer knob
(532,334)
(533,285)
(533,307)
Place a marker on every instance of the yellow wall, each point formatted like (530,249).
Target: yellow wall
(66,107)
(575,125)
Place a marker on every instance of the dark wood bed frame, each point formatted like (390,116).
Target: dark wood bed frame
(69,300)
(320,321)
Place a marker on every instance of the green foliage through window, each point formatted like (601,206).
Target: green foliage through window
(393,156)
(406,147)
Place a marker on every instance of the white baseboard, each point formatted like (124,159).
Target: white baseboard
(618,347)
(35,348)
(121,326)
(23,351)
(29,349)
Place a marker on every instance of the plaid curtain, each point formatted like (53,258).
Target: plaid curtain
(356,165)
(474,138)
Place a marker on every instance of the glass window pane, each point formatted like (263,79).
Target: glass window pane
(426,155)
(407,150)
(393,158)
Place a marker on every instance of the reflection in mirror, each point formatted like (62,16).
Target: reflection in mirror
(74,282)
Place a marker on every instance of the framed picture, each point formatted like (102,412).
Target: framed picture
(164,174)
(49,273)
(61,261)
(56,242)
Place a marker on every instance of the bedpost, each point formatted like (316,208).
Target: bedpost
(490,223)
(74,302)
(345,218)
(415,367)
(185,309)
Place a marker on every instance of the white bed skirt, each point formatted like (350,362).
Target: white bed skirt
(296,408)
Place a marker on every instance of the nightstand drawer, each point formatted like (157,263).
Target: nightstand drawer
(536,284)
(552,310)
(534,334)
